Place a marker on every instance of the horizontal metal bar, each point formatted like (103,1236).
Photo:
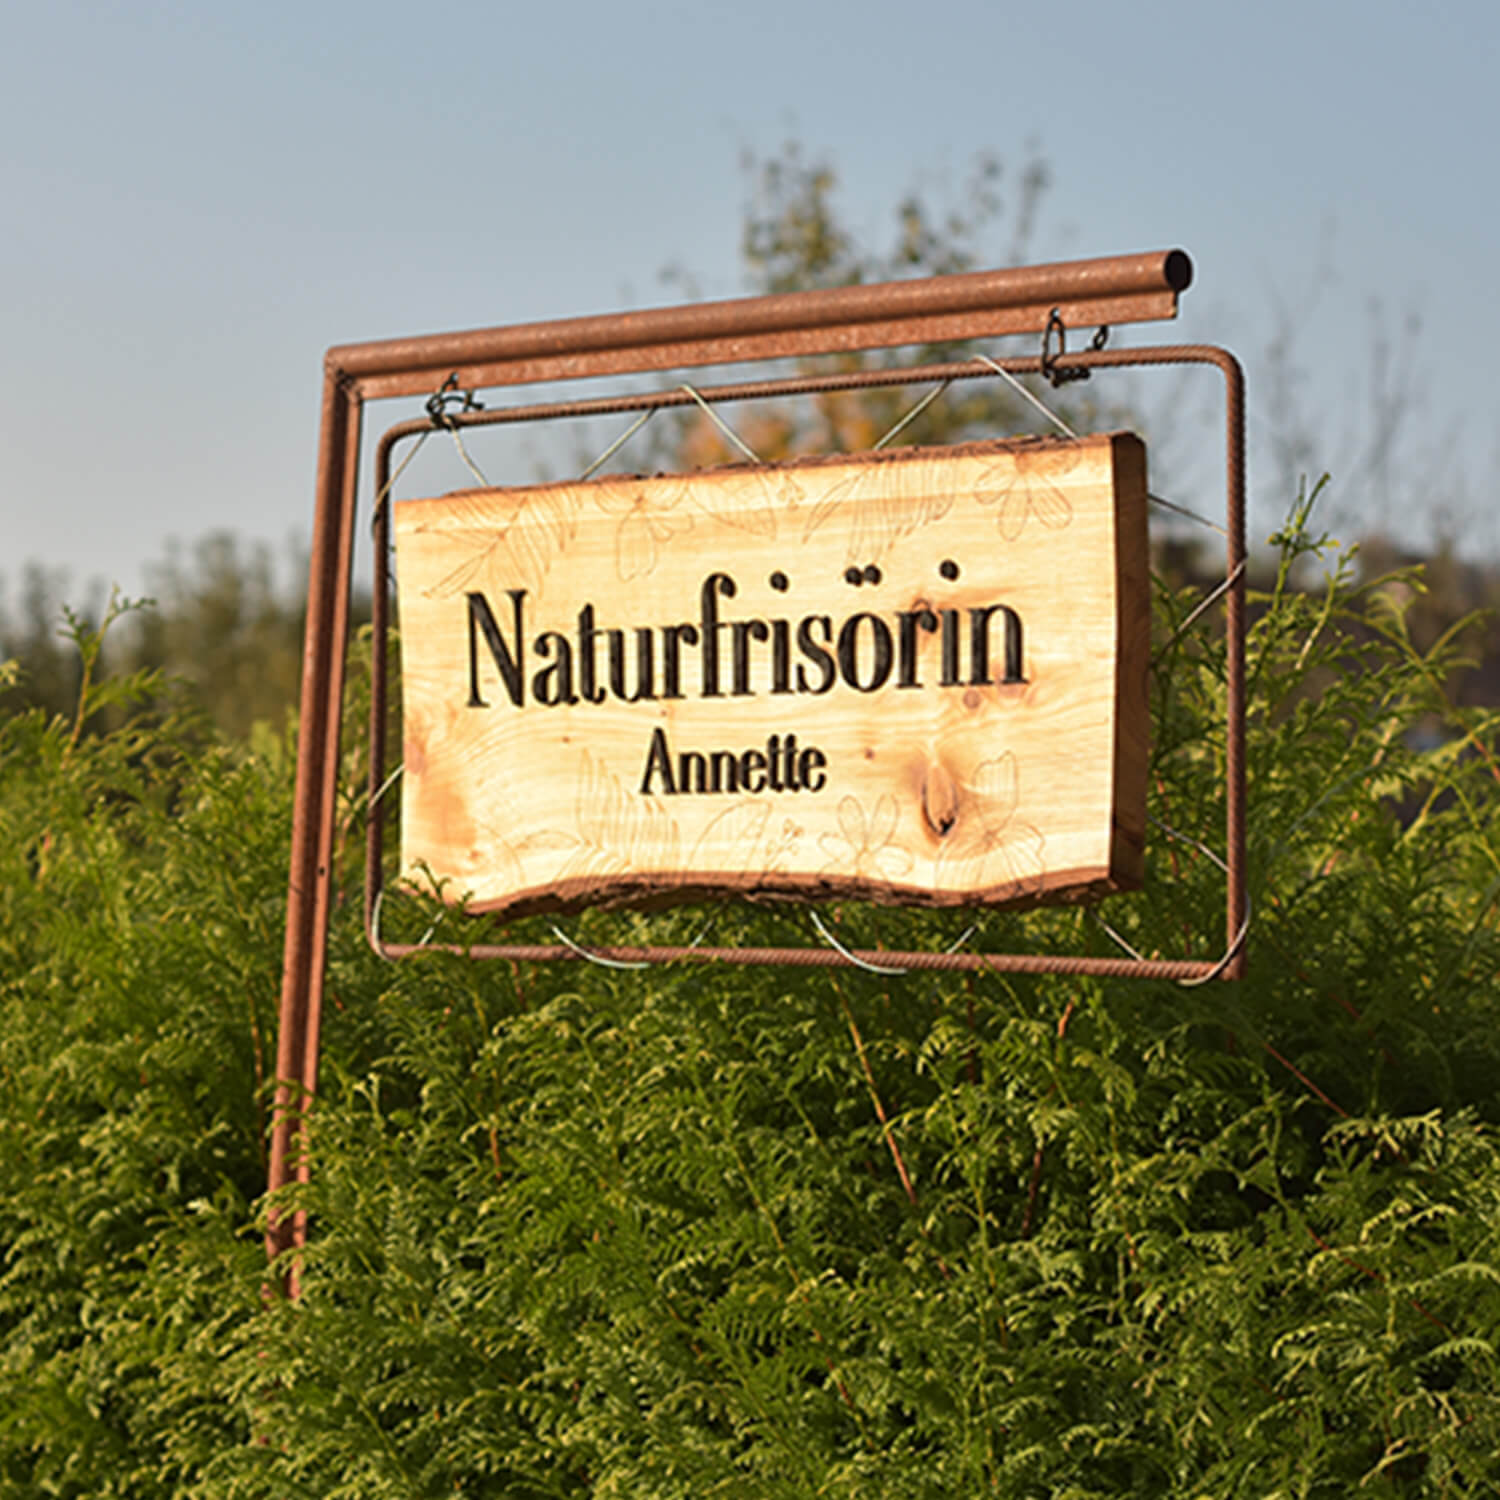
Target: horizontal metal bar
(823,958)
(745,390)
(977,304)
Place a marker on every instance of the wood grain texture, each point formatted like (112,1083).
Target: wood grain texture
(915,676)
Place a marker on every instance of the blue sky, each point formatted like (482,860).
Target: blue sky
(198,200)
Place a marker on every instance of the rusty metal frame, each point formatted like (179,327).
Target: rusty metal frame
(938,310)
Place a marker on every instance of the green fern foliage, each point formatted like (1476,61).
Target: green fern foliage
(699,1231)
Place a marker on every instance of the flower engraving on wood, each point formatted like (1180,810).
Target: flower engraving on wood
(989,845)
(864,846)
(749,499)
(644,521)
(1022,490)
(617,833)
(743,837)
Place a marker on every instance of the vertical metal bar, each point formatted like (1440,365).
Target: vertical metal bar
(341,572)
(380,610)
(1234,767)
(311,868)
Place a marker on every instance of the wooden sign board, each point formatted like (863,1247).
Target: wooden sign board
(916,677)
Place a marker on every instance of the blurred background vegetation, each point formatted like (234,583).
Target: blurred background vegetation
(224,624)
(702,1231)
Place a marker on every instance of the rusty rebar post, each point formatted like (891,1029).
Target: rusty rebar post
(310,880)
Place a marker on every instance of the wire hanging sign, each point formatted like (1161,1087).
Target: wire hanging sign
(915,675)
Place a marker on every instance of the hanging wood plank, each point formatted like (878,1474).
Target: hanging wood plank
(915,676)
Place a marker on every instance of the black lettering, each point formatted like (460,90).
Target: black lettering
(672,637)
(511,666)
(645,673)
(741,632)
(908,621)
(809,765)
(554,683)
(979,644)
(725,772)
(773,764)
(587,675)
(708,612)
(789,758)
(818,655)
(780,767)
(880,633)
(951,676)
(658,761)
(692,771)
(753,771)
(781,656)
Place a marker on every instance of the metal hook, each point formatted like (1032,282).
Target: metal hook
(1050,357)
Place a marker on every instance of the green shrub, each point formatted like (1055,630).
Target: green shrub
(700,1231)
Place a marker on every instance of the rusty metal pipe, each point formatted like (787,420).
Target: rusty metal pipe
(1114,289)
(310,876)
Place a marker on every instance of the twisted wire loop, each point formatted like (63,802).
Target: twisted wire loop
(443,407)
(451,409)
(1050,357)
(447,400)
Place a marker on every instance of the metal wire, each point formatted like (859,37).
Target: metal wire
(608,963)
(1237,943)
(722,425)
(378,942)
(593,958)
(913,414)
(383,788)
(1021,390)
(378,509)
(1198,611)
(619,442)
(463,453)
(1191,515)
(873,968)
(852,958)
